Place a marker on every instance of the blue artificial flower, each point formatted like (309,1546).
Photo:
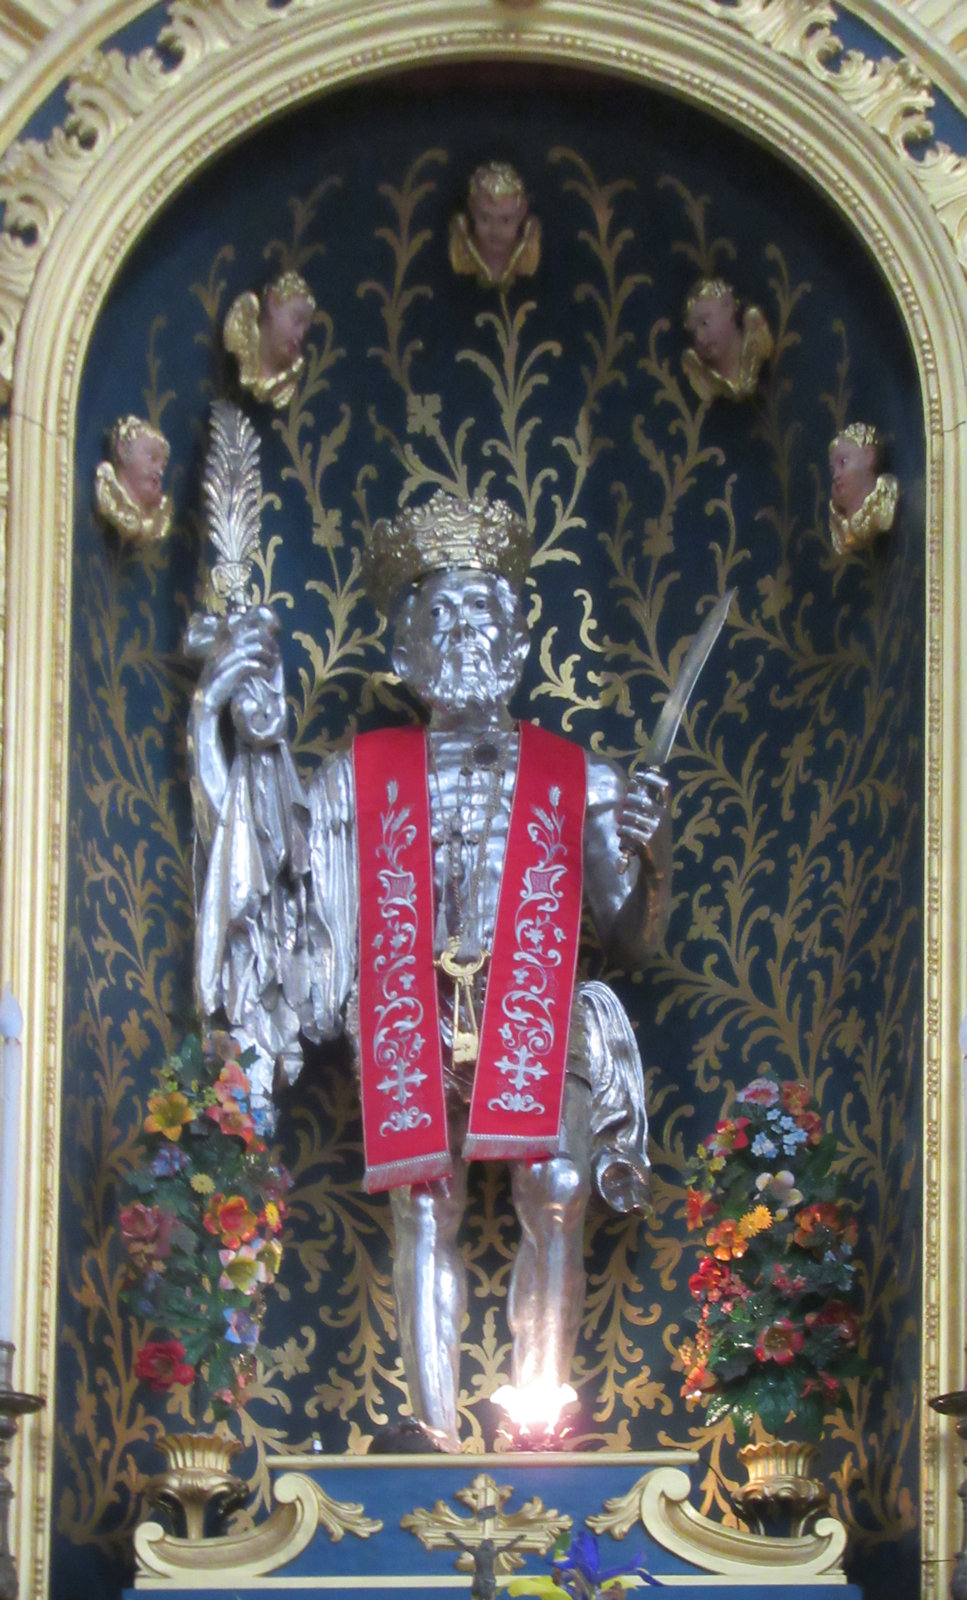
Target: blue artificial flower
(263,1118)
(762,1145)
(791,1141)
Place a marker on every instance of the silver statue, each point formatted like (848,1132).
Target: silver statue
(280,923)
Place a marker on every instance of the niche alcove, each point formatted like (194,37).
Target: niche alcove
(798,936)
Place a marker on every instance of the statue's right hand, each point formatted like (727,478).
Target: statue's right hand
(244,651)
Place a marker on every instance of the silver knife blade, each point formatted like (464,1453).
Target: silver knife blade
(659,746)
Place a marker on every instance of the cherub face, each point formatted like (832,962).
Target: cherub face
(852,468)
(496,226)
(141,469)
(285,324)
(713,323)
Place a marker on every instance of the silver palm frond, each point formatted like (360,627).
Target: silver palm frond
(232,491)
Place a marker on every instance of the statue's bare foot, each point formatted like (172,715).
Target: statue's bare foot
(411,1437)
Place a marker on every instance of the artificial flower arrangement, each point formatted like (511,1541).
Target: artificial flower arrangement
(577,1571)
(777,1332)
(201,1223)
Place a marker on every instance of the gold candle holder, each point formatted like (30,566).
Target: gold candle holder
(12,1406)
(955,1405)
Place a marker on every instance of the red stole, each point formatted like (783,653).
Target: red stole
(518,1090)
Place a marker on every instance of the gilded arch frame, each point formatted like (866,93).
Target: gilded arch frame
(771,67)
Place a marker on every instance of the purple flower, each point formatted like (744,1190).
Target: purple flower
(169,1160)
(579,1571)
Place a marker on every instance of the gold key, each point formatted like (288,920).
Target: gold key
(466,1033)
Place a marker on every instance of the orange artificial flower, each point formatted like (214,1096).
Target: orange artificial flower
(230,1218)
(726,1242)
(824,1214)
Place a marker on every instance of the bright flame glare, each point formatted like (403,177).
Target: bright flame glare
(539,1403)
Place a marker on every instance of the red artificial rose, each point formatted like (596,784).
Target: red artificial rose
(795,1097)
(812,1125)
(780,1342)
(145,1231)
(161,1364)
(839,1316)
(710,1280)
(782,1281)
(825,1384)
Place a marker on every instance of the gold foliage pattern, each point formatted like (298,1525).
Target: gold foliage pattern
(794,935)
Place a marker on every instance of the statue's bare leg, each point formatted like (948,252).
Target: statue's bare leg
(548,1280)
(430,1287)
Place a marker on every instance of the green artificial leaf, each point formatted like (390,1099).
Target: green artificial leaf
(778,1399)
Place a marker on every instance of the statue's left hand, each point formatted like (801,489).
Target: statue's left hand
(642,813)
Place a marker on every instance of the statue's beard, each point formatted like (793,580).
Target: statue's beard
(467,674)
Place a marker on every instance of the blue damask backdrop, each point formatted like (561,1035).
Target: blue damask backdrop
(796,932)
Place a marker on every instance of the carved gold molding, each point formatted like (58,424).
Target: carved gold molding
(139,130)
(301,1507)
(659,1501)
(38,180)
(533,1527)
(893,96)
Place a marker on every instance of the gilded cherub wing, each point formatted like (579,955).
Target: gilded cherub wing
(241,335)
(232,491)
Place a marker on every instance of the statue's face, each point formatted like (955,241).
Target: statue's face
(456,645)
(141,470)
(285,324)
(713,323)
(852,468)
(496,224)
